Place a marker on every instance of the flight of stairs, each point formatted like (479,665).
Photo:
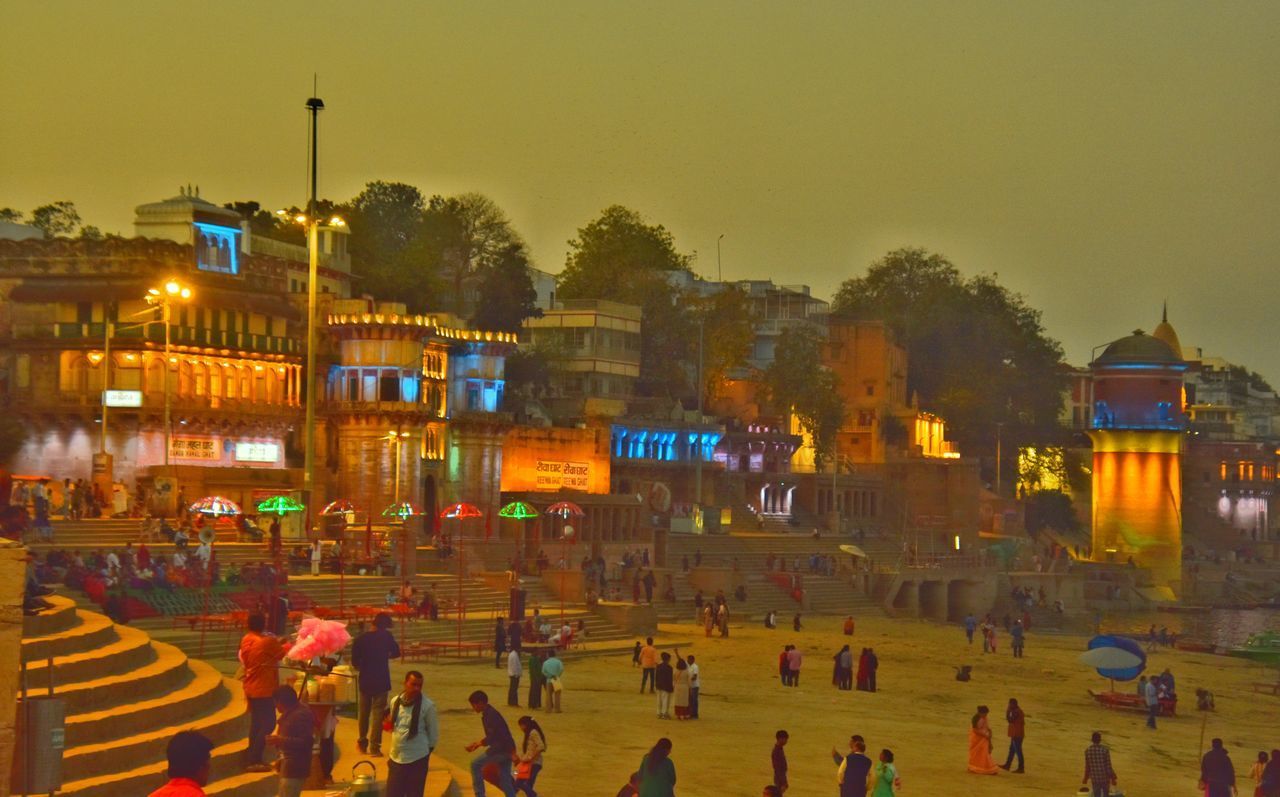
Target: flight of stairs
(826,595)
(126,696)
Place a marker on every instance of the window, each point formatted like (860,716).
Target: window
(217,248)
(871,390)
(84,312)
(389,387)
(353,387)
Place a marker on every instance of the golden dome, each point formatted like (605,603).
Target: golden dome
(1164,332)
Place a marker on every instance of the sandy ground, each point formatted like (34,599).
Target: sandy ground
(920,712)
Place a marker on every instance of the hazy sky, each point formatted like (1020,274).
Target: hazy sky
(1099,156)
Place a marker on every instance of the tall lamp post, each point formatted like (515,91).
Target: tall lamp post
(164,298)
(314,106)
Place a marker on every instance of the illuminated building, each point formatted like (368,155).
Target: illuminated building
(1137,431)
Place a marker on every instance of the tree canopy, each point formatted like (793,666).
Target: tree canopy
(978,355)
(619,257)
(506,296)
(798,382)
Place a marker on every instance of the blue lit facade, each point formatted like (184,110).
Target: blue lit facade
(659,444)
(217,248)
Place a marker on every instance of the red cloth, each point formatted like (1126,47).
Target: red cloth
(179,787)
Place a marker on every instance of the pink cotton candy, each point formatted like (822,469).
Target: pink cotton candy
(318,637)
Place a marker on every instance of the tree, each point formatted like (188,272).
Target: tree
(728,334)
(9,214)
(506,293)
(978,355)
(620,258)
(56,218)
(797,381)
(388,246)
(472,233)
(1050,509)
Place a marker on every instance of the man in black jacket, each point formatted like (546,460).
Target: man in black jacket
(371,655)
(853,768)
(665,680)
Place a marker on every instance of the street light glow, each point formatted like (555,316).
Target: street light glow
(172,287)
(337,221)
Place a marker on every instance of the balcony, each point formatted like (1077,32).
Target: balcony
(154,402)
(154,333)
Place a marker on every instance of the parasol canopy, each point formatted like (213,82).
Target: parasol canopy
(216,506)
(340,507)
(460,511)
(1130,665)
(518,510)
(401,510)
(853,550)
(565,509)
(280,505)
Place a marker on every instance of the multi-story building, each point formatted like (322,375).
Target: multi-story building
(777,308)
(596,348)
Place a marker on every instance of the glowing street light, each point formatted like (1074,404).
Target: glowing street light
(173,291)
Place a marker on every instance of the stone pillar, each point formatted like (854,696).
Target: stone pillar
(13,568)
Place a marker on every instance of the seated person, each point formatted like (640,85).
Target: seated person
(181,539)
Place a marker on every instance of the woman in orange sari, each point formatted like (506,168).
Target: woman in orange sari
(980,761)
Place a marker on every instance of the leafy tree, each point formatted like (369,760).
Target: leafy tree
(9,214)
(978,354)
(268,224)
(91,233)
(56,218)
(506,293)
(471,233)
(618,257)
(797,381)
(388,245)
(728,334)
(1050,509)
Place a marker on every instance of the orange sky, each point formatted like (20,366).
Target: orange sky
(1099,156)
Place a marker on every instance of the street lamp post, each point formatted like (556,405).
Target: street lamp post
(314,106)
(164,298)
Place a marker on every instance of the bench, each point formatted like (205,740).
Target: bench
(1263,686)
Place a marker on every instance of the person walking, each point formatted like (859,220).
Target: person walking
(779,761)
(1018,636)
(854,769)
(970,625)
(682,687)
(415,732)
(845,664)
(784,673)
(885,777)
(294,736)
(648,664)
(1099,775)
(500,746)
(371,655)
(980,762)
(536,681)
(1255,773)
(1151,695)
(528,760)
(873,664)
(635,654)
(863,675)
(695,686)
(499,643)
(260,656)
(794,660)
(514,670)
(665,678)
(1017,729)
(188,754)
(553,675)
(1217,775)
(1270,783)
(657,774)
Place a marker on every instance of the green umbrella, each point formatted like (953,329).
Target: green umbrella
(518,510)
(280,505)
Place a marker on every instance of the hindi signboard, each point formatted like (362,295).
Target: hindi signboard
(204,448)
(122,398)
(557,474)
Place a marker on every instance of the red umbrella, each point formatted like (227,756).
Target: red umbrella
(461,511)
(340,507)
(565,509)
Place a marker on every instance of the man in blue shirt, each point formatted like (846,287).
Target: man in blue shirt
(970,625)
(497,737)
(552,669)
(371,655)
(415,731)
(1151,695)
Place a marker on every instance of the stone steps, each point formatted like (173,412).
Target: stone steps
(126,696)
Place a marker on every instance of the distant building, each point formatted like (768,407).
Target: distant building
(596,348)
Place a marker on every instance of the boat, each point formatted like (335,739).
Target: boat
(1130,701)
(1263,648)
(1195,646)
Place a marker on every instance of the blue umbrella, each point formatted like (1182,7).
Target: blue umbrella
(1136,660)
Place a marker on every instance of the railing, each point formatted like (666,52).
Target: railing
(944,561)
(155,401)
(154,332)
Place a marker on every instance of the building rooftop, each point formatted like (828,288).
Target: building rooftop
(1139,348)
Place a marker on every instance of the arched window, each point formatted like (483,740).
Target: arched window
(272,395)
(199,379)
(184,378)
